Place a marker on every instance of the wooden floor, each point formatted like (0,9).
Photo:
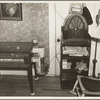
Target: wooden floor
(45,86)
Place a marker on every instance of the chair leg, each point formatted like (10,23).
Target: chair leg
(74,87)
(30,79)
(78,93)
(83,95)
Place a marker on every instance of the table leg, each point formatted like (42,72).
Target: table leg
(36,76)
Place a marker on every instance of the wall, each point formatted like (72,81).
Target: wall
(35,25)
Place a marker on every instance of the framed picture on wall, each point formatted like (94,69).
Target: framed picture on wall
(11,11)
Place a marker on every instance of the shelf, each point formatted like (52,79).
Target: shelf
(68,78)
(68,74)
(76,58)
(75,50)
(76,42)
(71,74)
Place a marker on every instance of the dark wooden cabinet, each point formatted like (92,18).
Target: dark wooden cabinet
(74,34)
(68,75)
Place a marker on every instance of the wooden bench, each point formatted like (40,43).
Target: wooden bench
(17,56)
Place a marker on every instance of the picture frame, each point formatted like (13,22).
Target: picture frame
(11,11)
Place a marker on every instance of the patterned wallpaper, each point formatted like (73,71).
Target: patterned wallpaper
(33,26)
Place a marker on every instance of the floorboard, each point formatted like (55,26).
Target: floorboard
(45,86)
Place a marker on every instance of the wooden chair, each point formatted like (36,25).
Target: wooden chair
(86,86)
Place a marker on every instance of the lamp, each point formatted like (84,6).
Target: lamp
(96,36)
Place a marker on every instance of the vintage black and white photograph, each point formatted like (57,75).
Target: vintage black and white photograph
(50,49)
